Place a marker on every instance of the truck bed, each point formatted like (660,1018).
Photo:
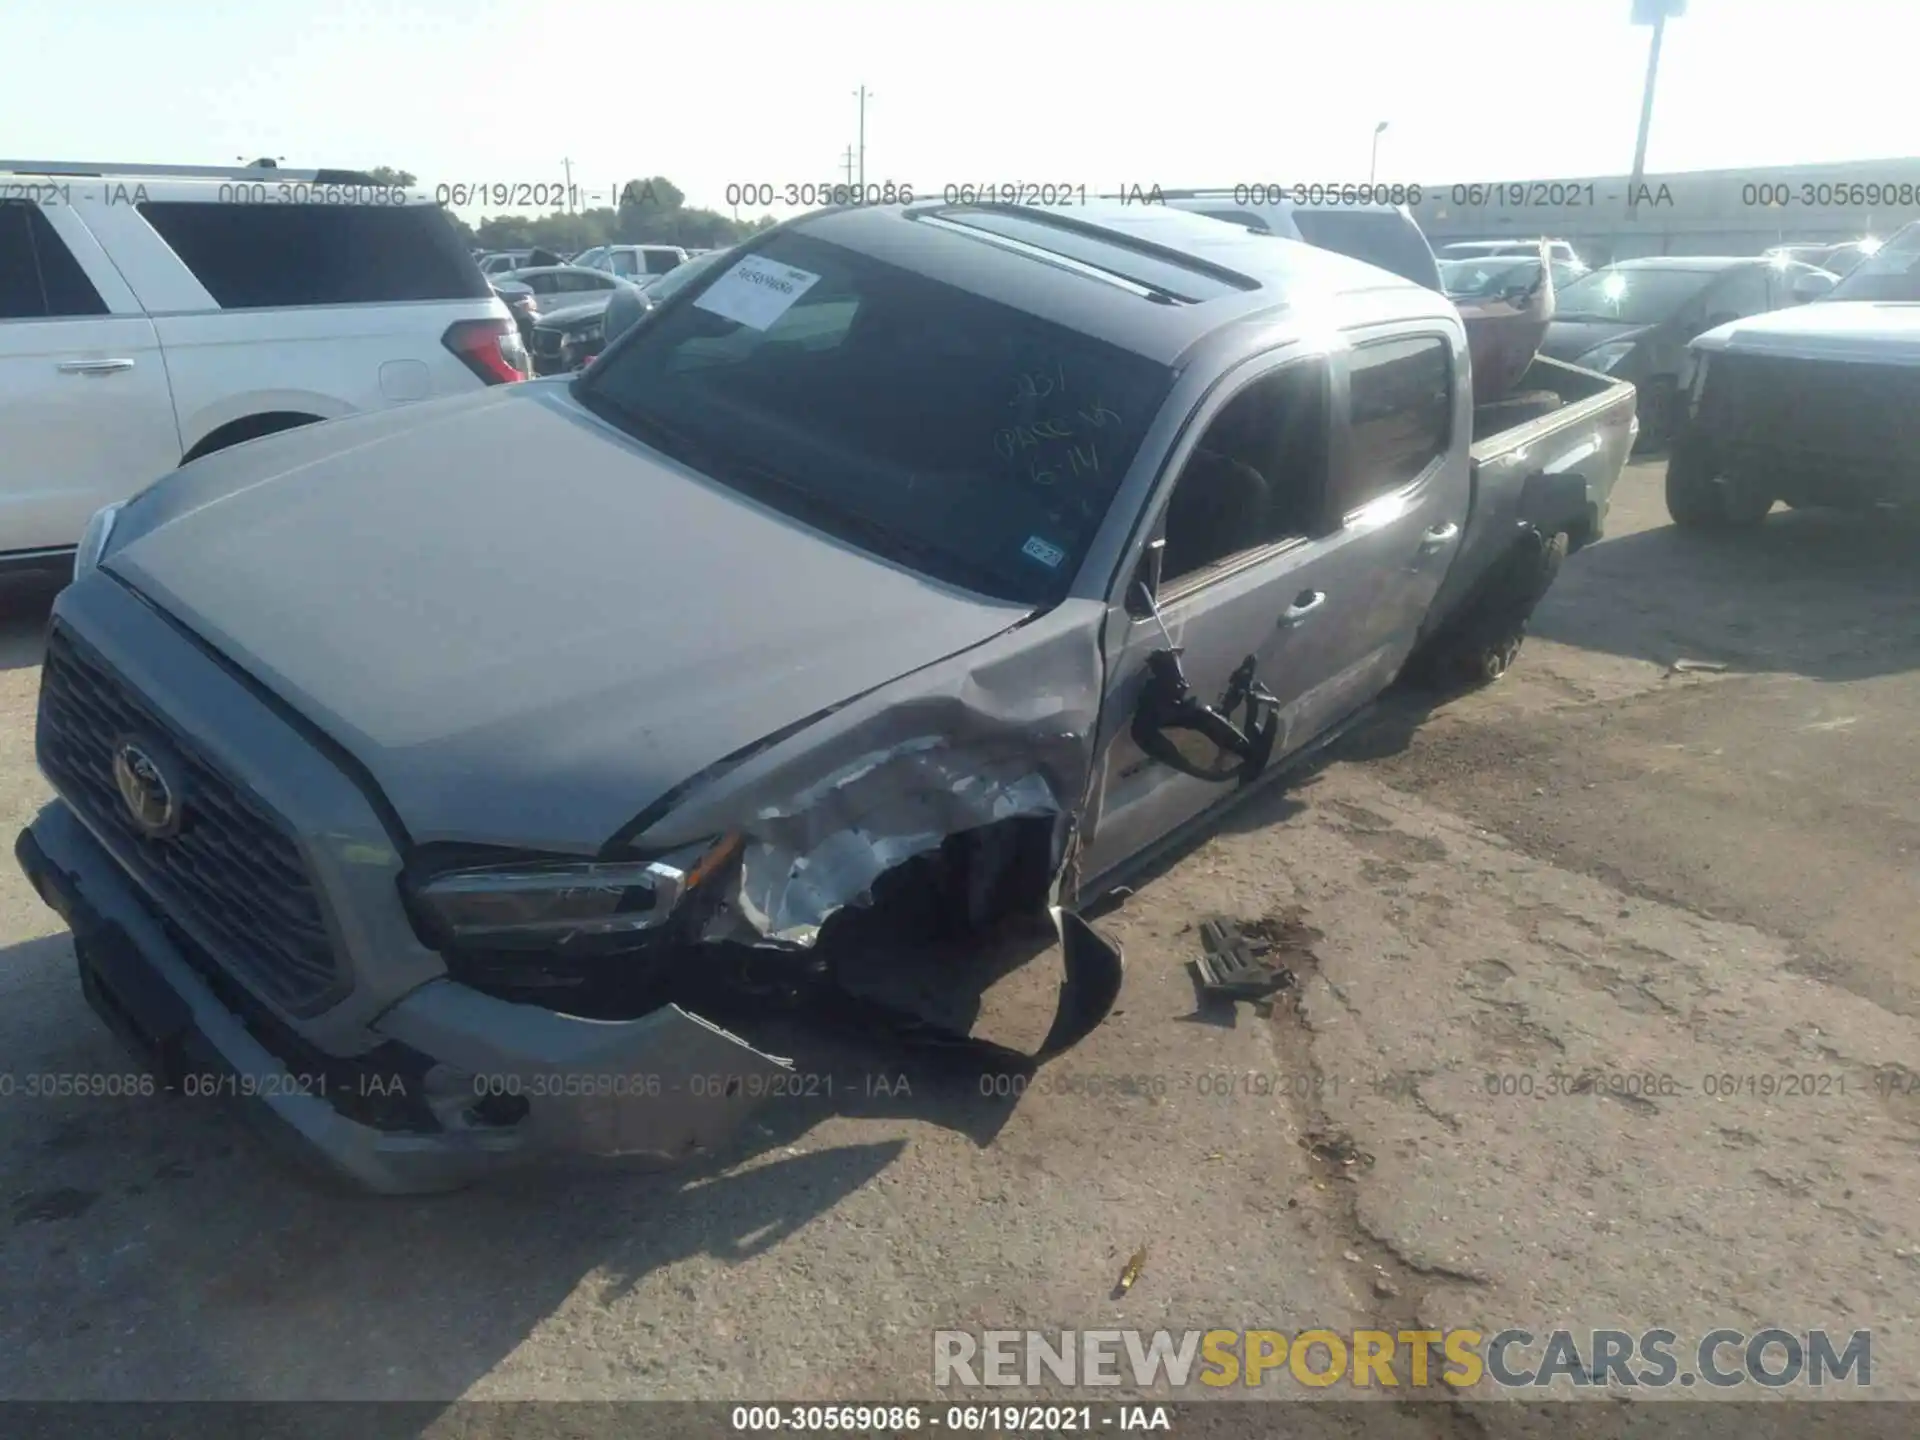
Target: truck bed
(1554,472)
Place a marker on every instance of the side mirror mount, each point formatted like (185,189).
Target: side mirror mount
(1143,595)
(1811,287)
(1175,727)
(624,308)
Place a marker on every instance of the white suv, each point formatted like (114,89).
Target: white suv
(150,315)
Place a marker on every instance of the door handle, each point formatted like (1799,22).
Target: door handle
(94,367)
(1304,604)
(1439,536)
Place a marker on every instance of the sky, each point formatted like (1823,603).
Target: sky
(1199,92)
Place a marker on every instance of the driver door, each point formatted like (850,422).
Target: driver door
(1245,577)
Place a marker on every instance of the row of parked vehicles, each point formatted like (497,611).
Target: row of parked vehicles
(907,573)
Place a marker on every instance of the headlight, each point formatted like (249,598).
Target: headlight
(1604,357)
(538,903)
(93,540)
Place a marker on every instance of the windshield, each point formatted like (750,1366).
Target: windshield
(1890,273)
(974,441)
(1631,295)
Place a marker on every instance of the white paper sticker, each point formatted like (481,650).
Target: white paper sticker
(756,292)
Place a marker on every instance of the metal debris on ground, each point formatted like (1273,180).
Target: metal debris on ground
(1132,1273)
(1237,966)
(1683,667)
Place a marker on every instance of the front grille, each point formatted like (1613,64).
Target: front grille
(231,875)
(1798,410)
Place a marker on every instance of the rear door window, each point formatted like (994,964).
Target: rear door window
(1401,401)
(39,278)
(275,256)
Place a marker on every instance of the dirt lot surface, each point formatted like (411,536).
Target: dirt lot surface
(1608,1016)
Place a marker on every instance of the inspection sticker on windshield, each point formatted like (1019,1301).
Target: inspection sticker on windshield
(1038,549)
(756,292)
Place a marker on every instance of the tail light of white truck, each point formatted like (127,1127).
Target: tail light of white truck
(492,349)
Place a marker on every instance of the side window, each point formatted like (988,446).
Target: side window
(545,284)
(269,256)
(623,262)
(659,262)
(1256,477)
(39,278)
(1401,397)
(1740,294)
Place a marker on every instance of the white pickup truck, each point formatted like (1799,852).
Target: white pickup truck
(633,262)
(153,314)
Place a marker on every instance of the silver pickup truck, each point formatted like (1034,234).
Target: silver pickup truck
(918,572)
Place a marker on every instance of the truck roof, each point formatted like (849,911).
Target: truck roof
(1149,278)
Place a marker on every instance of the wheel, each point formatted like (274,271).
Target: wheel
(1480,646)
(1700,498)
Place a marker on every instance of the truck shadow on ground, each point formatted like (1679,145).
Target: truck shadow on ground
(24,606)
(1827,596)
(154,1245)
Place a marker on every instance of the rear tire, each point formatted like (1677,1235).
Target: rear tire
(1700,498)
(1481,644)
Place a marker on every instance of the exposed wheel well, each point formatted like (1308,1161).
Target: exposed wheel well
(247,427)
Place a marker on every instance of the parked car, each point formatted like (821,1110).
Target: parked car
(565,339)
(152,315)
(1837,259)
(1558,250)
(499,262)
(568,339)
(1634,319)
(1383,235)
(521,303)
(556,286)
(632,262)
(1817,406)
(920,572)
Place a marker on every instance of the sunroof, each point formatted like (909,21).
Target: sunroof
(1140,262)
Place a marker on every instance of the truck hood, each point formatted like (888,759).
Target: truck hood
(1876,332)
(526,625)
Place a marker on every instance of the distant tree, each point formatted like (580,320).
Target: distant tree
(652,210)
(387,175)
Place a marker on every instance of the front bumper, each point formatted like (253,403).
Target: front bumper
(461,1085)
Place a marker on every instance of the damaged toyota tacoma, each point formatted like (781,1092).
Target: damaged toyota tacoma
(896,587)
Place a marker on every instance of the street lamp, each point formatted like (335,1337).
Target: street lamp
(1373,164)
(1655,13)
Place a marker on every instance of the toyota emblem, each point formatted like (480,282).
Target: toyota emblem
(151,799)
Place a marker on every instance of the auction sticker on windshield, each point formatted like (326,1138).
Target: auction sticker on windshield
(756,292)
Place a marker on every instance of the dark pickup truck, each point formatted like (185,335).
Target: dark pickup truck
(919,572)
(1817,406)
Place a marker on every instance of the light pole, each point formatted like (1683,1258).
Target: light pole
(1654,13)
(1374,163)
(864,97)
